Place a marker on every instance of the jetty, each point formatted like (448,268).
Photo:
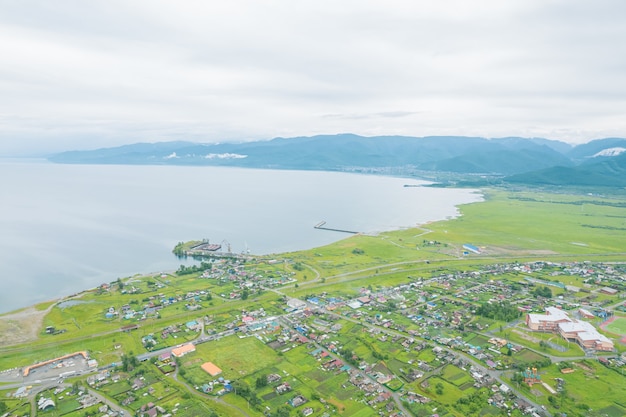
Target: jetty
(321,226)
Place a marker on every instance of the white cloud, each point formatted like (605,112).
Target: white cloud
(91,74)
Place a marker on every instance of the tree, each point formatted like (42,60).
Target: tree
(261,381)
(543,291)
(439,388)
(76,386)
(129,362)
(244,294)
(241,388)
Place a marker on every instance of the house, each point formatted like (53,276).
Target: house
(271,378)
(283,388)
(608,290)
(181,351)
(296,304)
(297,401)
(194,325)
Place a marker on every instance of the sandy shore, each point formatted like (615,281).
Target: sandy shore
(22,326)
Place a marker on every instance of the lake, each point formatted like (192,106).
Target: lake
(66,228)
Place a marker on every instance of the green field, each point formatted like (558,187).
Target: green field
(617,326)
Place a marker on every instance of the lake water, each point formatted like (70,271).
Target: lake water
(66,228)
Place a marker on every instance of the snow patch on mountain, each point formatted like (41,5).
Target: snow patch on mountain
(610,152)
(225,156)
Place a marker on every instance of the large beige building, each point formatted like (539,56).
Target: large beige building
(558,321)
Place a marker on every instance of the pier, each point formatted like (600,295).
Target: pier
(321,224)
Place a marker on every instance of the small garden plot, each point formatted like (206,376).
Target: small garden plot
(269,396)
(67,405)
(81,412)
(192,409)
(426,410)
(443,391)
(167,368)
(396,366)
(395,384)
(297,361)
(314,377)
(483,322)
(466,386)
(334,387)
(490,410)
(150,378)
(161,390)
(356,329)
(527,356)
(426,355)
(351,408)
(404,357)
(142,397)
(116,388)
(456,376)
(479,340)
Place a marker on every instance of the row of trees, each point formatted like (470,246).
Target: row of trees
(186,270)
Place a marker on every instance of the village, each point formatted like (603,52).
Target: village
(499,337)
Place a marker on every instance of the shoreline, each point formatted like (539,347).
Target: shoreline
(30,310)
(126,242)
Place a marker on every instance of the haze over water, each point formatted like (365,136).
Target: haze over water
(66,228)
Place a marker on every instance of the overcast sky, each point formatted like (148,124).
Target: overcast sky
(88,74)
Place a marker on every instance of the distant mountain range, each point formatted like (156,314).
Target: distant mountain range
(535,161)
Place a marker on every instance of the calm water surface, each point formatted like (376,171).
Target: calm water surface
(66,228)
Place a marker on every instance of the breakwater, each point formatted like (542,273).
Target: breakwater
(321,226)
